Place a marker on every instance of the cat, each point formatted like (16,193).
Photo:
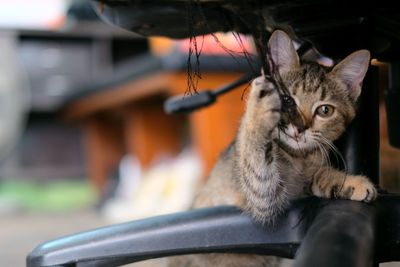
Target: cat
(273,161)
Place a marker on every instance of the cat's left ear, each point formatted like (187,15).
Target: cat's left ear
(351,71)
(283,52)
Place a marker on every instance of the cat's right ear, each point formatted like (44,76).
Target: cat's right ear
(283,52)
(351,71)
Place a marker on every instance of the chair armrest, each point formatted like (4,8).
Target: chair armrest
(331,232)
(217,229)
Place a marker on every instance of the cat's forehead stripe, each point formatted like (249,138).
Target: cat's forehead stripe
(296,86)
(322,97)
(310,80)
(315,75)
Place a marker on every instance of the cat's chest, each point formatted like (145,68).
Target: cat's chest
(298,171)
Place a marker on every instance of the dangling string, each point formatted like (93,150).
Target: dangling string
(270,70)
(289,109)
(193,72)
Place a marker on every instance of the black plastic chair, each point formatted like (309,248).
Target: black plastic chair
(315,232)
(350,227)
(360,233)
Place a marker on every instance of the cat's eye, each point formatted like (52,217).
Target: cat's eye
(288,101)
(325,111)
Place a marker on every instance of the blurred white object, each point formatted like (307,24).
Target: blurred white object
(117,208)
(43,14)
(14,94)
(130,173)
(167,187)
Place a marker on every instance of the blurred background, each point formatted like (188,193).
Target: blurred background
(84,140)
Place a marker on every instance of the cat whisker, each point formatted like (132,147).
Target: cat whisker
(324,156)
(336,151)
(328,144)
(322,150)
(320,143)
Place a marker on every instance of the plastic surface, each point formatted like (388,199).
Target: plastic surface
(219,229)
(360,144)
(336,29)
(189,103)
(342,234)
(392,101)
(387,245)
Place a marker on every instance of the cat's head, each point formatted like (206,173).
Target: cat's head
(325,97)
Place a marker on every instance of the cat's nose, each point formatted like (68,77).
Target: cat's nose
(296,133)
(302,128)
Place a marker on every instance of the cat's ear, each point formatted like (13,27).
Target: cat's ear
(283,52)
(352,70)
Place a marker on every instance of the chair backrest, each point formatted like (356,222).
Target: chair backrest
(360,144)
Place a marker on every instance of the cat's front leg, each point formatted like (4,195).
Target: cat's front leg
(331,183)
(256,154)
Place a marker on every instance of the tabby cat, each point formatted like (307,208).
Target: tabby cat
(272,161)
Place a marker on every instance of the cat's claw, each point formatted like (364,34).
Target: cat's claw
(258,81)
(358,188)
(263,92)
(371,195)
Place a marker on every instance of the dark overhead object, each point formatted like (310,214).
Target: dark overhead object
(162,18)
(336,28)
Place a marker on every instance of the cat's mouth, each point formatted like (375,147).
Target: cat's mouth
(295,140)
(298,139)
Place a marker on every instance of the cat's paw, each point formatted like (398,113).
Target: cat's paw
(356,187)
(264,91)
(264,104)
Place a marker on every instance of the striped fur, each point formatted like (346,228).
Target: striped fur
(267,166)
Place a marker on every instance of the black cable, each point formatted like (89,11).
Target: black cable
(186,104)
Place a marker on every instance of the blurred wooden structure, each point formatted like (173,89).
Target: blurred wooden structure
(129,118)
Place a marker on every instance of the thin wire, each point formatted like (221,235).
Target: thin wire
(194,75)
